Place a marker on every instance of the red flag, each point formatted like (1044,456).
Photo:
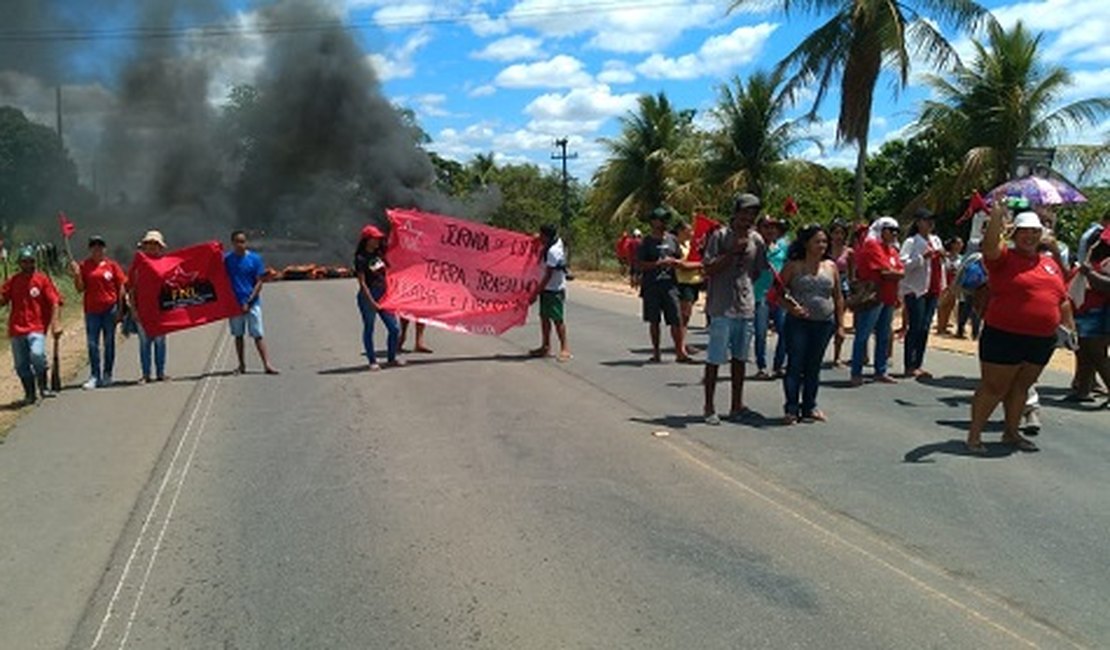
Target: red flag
(976,204)
(790,207)
(703,226)
(67,227)
(460,275)
(182,289)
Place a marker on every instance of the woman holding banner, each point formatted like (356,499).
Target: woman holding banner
(1028,303)
(370,269)
(153,244)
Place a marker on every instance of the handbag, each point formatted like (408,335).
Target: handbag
(862,295)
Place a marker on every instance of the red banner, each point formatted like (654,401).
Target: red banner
(182,289)
(460,275)
(703,226)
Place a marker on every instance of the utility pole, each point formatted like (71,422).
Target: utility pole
(564,157)
(58,108)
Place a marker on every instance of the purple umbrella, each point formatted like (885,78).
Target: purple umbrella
(1040,191)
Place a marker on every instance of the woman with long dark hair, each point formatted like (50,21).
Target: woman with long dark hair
(370,269)
(815,311)
(923,256)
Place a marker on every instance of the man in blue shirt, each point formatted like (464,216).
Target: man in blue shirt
(246,270)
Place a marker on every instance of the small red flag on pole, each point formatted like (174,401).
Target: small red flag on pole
(976,204)
(790,207)
(67,227)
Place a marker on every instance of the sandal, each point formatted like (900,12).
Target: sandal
(789,419)
(816,416)
(1021,444)
(977,449)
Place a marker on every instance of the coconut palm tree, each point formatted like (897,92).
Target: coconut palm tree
(854,45)
(753,135)
(1007,98)
(637,176)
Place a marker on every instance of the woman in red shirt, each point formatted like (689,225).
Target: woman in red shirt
(102,281)
(1028,303)
(877,261)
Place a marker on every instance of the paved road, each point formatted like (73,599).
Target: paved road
(477,498)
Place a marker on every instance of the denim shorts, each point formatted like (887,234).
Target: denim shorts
(729,338)
(248,323)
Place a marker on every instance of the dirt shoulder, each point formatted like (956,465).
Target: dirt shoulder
(1062,361)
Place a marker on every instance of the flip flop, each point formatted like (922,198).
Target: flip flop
(978,449)
(1021,444)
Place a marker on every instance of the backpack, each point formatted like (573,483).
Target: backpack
(975,275)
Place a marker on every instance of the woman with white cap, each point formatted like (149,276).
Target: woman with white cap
(878,262)
(1028,302)
(153,244)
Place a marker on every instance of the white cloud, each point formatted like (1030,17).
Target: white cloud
(482,91)
(404,14)
(511,48)
(561,71)
(616,72)
(483,25)
(431,105)
(718,55)
(582,110)
(617,25)
(398,63)
(1087,84)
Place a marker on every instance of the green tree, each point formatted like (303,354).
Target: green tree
(860,38)
(902,171)
(638,173)
(37,175)
(482,169)
(530,197)
(753,135)
(1005,99)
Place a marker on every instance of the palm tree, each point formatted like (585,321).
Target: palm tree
(482,168)
(754,135)
(637,177)
(854,45)
(1006,99)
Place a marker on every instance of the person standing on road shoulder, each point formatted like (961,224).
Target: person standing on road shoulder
(370,269)
(923,257)
(102,282)
(1028,303)
(36,306)
(153,244)
(734,257)
(656,259)
(246,271)
(877,261)
(553,294)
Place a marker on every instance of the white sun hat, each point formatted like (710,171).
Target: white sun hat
(1028,220)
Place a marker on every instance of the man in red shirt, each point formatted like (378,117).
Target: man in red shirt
(35,305)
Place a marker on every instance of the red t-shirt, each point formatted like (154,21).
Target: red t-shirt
(1025,293)
(32,297)
(103,283)
(871,259)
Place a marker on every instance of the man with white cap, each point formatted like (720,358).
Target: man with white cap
(36,306)
(153,244)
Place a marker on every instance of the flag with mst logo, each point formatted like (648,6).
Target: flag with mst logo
(182,289)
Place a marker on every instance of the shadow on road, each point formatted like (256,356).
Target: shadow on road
(951,382)
(749,418)
(416,363)
(956,448)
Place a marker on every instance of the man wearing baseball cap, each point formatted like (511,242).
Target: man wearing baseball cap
(35,306)
(735,255)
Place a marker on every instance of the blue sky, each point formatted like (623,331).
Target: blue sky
(511,76)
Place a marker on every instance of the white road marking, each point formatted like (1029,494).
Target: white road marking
(208,391)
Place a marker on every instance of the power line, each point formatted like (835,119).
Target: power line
(217,30)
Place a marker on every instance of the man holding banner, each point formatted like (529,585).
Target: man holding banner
(553,294)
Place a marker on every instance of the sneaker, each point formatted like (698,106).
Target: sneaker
(46,392)
(106,382)
(713,419)
(90,384)
(1031,423)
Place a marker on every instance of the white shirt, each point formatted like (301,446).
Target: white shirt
(916,280)
(556,260)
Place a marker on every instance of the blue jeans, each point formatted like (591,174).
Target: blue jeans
(393,330)
(29,355)
(99,326)
(806,342)
(920,311)
(146,343)
(877,320)
(765,314)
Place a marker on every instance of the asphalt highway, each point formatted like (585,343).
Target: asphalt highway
(477,498)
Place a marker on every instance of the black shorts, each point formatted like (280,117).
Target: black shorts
(688,292)
(1009,349)
(661,299)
